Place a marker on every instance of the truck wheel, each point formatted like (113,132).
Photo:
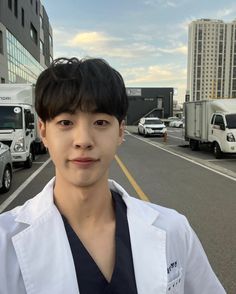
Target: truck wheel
(194,145)
(217,151)
(6,180)
(29,161)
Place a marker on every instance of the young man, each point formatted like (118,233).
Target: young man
(83,233)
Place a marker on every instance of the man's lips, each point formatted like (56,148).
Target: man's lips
(84,161)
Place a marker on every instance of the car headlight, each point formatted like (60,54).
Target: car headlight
(19,145)
(230,137)
(149,130)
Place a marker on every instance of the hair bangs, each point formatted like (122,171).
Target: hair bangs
(89,85)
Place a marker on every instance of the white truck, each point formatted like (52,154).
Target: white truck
(211,122)
(18,122)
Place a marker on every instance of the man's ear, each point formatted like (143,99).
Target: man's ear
(42,131)
(121,132)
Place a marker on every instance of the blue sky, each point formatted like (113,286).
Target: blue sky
(145,40)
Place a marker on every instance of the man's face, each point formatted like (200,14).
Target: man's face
(82,146)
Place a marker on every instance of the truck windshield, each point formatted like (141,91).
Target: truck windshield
(10,117)
(231,121)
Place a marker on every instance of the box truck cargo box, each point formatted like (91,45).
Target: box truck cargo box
(211,122)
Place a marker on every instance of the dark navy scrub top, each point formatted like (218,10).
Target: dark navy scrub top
(90,278)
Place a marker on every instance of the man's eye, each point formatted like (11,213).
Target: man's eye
(101,122)
(65,123)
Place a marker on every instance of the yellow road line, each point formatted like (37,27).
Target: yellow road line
(132,181)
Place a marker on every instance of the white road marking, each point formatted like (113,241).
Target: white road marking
(221,160)
(22,186)
(175,137)
(157,145)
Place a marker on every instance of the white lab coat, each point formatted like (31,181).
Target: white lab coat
(35,256)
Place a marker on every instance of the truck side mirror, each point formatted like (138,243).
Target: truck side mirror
(222,127)
(30,126)
(31,118)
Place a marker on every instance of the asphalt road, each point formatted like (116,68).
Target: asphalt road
(172,176)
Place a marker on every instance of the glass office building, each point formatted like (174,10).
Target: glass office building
(22,66)
(26,43)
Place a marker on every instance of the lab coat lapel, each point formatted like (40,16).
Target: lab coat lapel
(45,257)
(148,243)
(149,250)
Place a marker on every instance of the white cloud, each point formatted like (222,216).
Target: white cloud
(182,50)
(155,74)
(164,3)
(225,12)
(92,43)
(88,38)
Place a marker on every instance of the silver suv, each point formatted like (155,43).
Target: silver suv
(5,168)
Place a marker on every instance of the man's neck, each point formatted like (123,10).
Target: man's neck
(84,207)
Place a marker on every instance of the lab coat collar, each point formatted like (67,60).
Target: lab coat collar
(48,267)
(32,210)
(37,206)
(148,243)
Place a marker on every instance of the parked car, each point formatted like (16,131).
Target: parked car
(171,118)
(151,126)
(177,123)
(5,168)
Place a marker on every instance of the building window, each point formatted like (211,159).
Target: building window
(50,40)
(36,7)
(234,94)
(41,47)
(3,81)
(22,17)
(1,42)
(41,21)
(23,67)
(10,4)
(198,85)
(198,72)
(220,60)
(16,8)
(199,60)
(234,73)
(31,1)
(234,85)
(33,34)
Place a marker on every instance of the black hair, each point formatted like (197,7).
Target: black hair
(89,85)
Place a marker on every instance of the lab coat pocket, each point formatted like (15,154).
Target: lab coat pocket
(174,286)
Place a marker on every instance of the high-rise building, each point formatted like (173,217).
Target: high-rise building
(26,46)
(211,60)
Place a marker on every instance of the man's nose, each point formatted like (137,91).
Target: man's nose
(83,137)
